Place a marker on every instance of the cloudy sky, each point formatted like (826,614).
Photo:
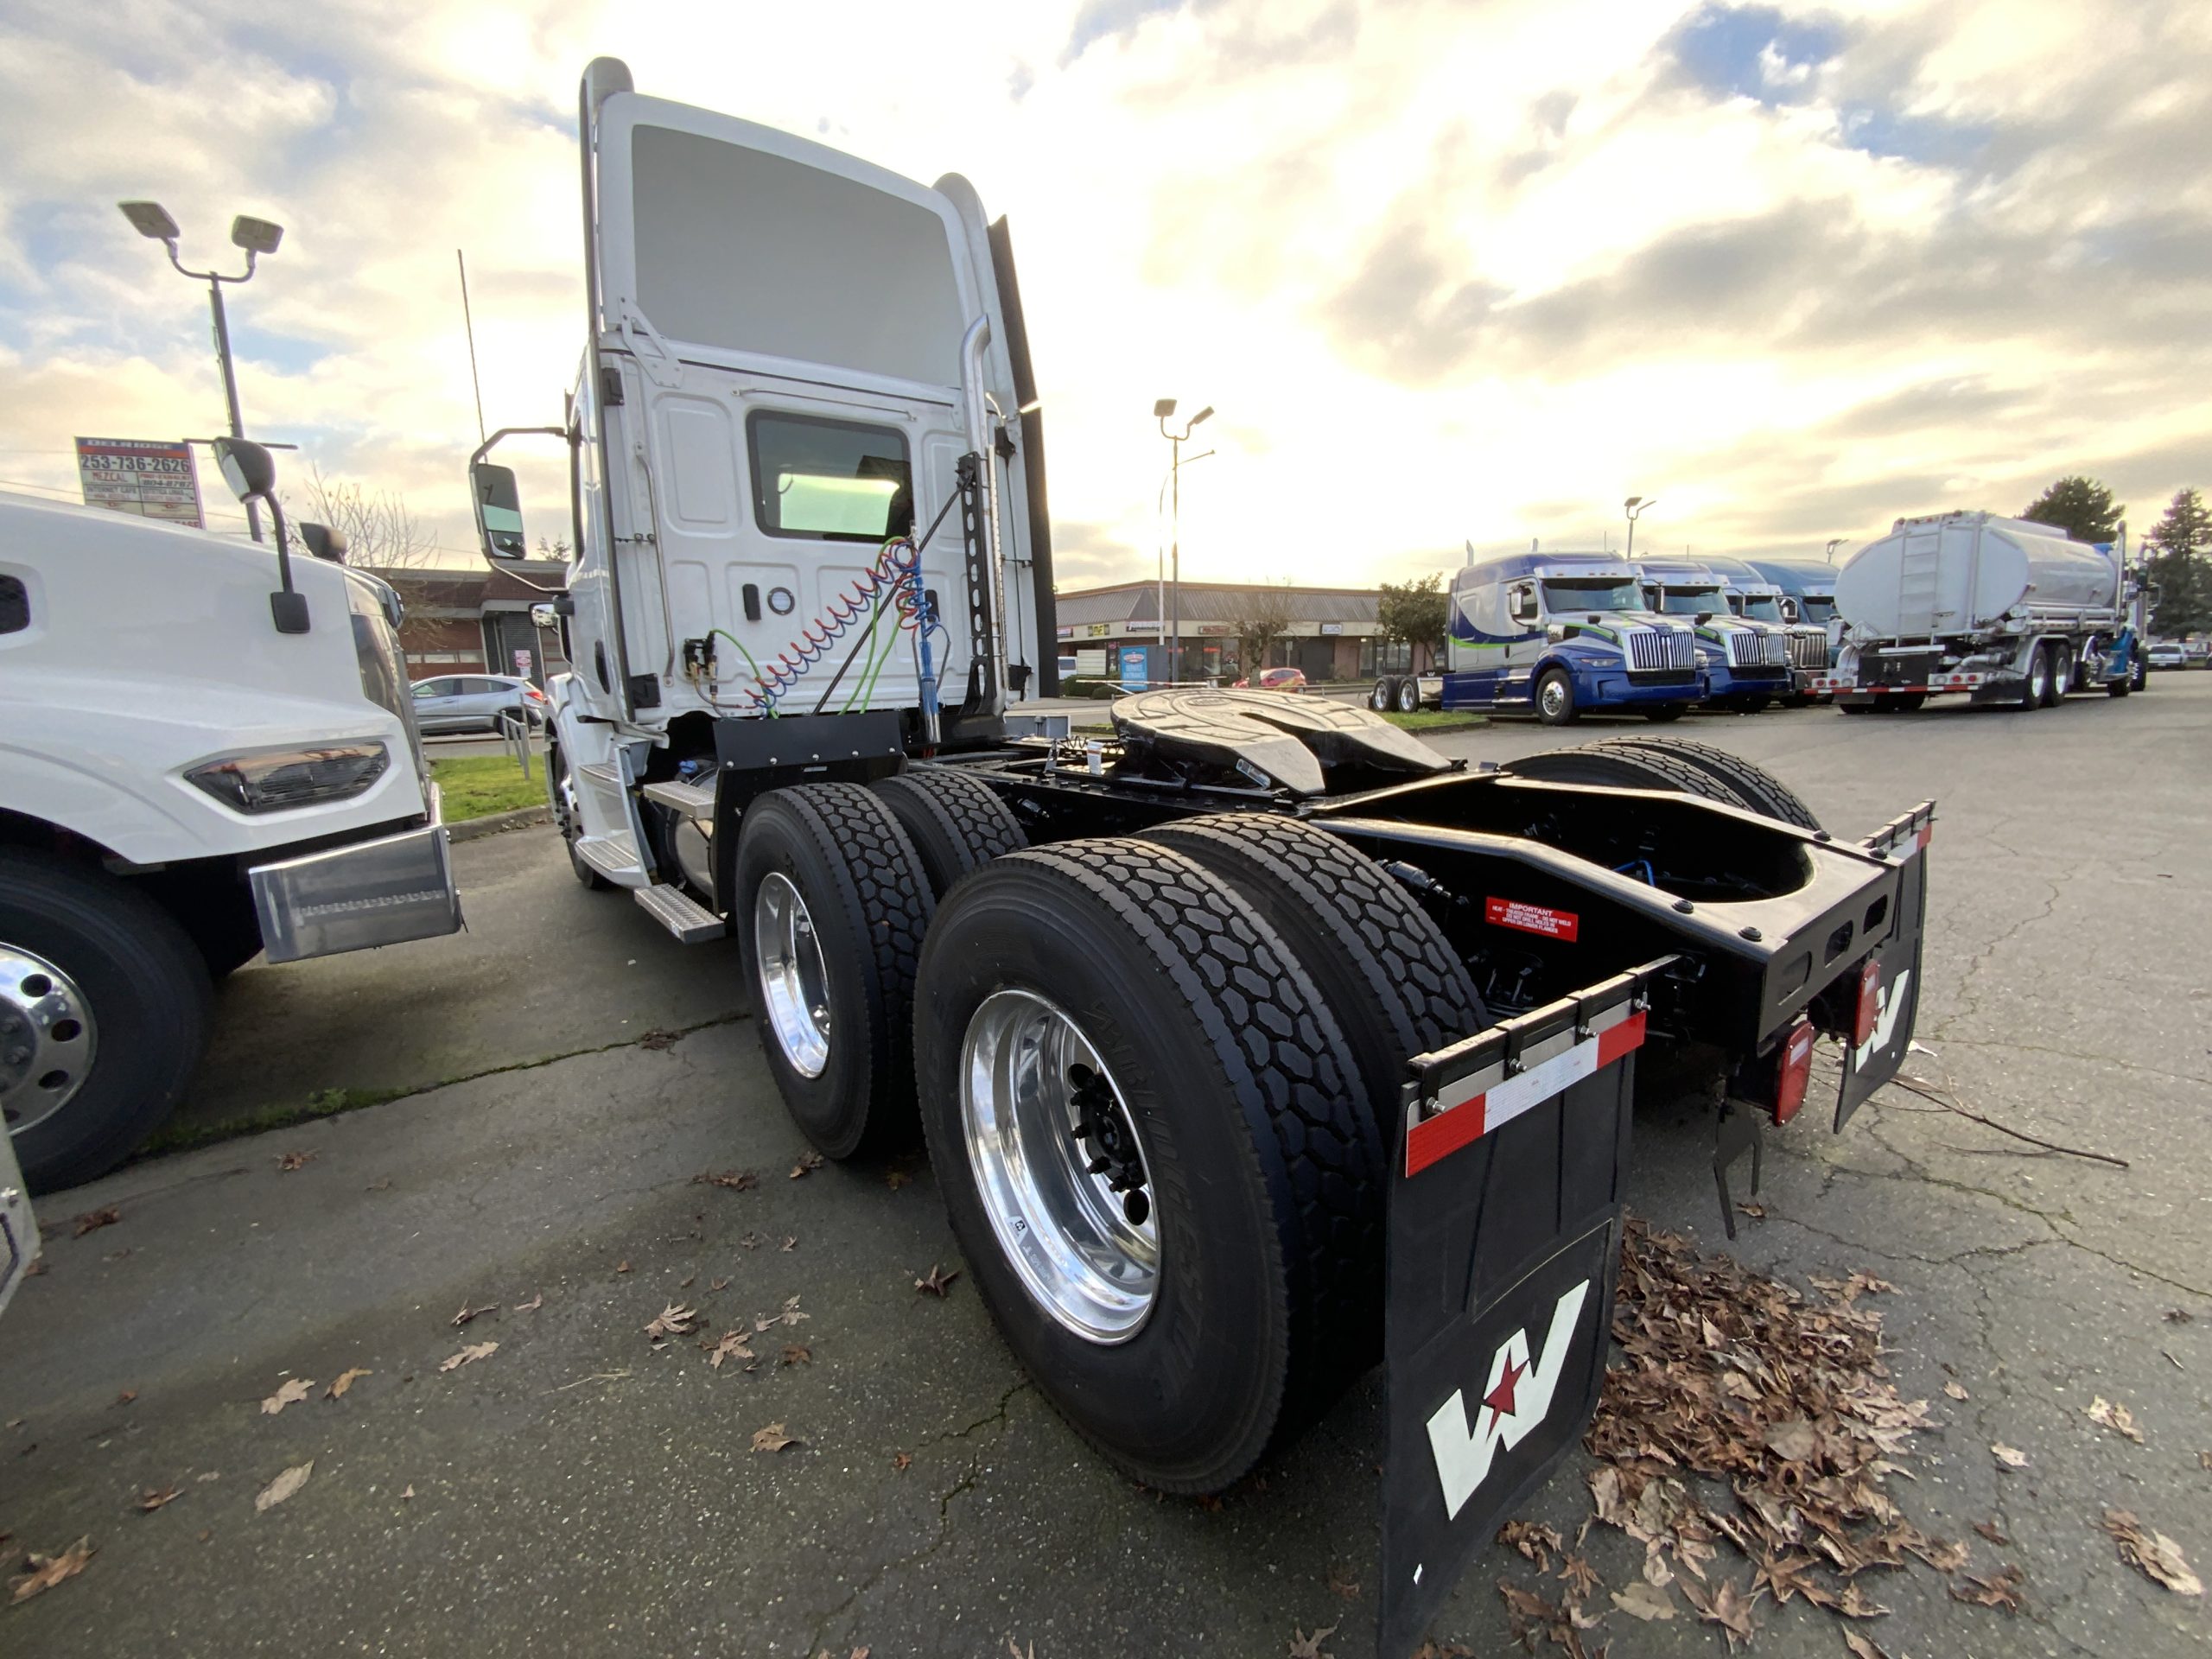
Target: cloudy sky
(1448,271)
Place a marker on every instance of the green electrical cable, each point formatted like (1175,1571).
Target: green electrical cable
(757,678)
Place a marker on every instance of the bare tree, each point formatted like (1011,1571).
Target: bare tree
(381,533)
(1263,617)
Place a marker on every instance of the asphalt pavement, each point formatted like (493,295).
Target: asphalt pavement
(580,1488)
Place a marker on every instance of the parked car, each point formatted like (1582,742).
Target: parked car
(2169,653)
(1274,679)
(2197,653)
(476,702)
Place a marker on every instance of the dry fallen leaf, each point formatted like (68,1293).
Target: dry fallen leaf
(47,1571)
(122,1399)
(732,1346)
(469,1356)
(902,1463)
(773,1439)
(1578,1574)
(789,1243)
(807,1162)
(797,1354)
(1794,1441)
(1998,1589)
(291,1394)
(1956,1392)
(895,1179)
(623,1266)
(938,1283)
(660,1039)
(1726,1605)
(1343,1588)
(737,1180)
(90,1222)
(672,1321)
(150,1499)
(1755,1211)
(409,1493)
(292,1160)
(1861,1647)
(716,1284)
(467,1313)
(2115,1417)
(2011,1456)
(1992,1531)
(344,1381)
(1303,1646)
(283,1486)
(532,1305)
(1644,1601)
(1533,1539)
(2153,1554)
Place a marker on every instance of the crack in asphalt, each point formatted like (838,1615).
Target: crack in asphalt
(1968,1000)
(965,1483)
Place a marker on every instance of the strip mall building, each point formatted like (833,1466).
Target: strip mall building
(1115,631)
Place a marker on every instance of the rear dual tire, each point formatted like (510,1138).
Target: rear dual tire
(1671,763)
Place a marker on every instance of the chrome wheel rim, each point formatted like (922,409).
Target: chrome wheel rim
(794,984)
(1409,698)
(1072,1209)
(47,1039)
(1379,699)
(1554,697)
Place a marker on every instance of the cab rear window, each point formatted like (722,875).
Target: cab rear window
(829,481)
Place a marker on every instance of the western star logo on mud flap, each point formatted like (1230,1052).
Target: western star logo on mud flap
(1885,1022)
(1515,1401)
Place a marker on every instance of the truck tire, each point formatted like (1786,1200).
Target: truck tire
(957,823)
(567,817)
(829,911)
(2138,671)
(1384,697)
(2035,689)
(1623,768)
(1407,696)
(1117,983)
(1381,962)
(2061,675)
(1755,786)
(1554,698)
(104,1005)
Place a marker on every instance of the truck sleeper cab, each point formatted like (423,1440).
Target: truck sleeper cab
(1560,635)
(1747,663)
(1177,1088)
(1753,594)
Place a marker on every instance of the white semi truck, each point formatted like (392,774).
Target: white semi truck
(2001,610)
(207,753)
(1195,1018)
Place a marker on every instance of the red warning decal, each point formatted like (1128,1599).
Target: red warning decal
(1532,918)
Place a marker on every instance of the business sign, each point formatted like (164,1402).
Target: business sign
(145,477)
(1064,631)
(1332,627)
(1135,674)
(522,664)
(1097,630)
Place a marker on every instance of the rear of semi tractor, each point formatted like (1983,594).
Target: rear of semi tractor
(1254,1046)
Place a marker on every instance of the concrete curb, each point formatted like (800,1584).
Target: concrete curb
(470,828)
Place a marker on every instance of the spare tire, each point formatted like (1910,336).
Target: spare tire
(956,822)
(829,910)
(1381,963)
(1119,985)
(1754,785)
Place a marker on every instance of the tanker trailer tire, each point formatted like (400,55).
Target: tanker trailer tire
(567,819)
(1754,785)
(1381,964)
(830,906)
(1146,1128)
(1555,698)
(104,1007)
(2062,675)
(1384,697)
(957,822)
(1408,695)
(2034,687)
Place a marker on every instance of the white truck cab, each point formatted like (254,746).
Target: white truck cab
(1746,662)
(205,753)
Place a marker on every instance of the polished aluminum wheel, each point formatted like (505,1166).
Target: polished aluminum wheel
(1059,1167)
(794,985)
(47,1038)
(1552,697)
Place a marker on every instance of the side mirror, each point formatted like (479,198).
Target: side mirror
(1790,611)
(498,510)
(246,468)
(324,541)
(544,616)
(1704,617)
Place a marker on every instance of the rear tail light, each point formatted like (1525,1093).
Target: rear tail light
(1797,1072)
(1870,1001)
(536,695)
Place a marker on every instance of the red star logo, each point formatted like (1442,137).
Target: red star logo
(1500,1399)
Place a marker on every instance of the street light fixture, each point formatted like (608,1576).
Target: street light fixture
(1160,410)
(1834,541)
(257,237)
(1634,507)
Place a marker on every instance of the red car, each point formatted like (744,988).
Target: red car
(1274,679)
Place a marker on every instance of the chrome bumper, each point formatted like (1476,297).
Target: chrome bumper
(18,1232)
(382,891)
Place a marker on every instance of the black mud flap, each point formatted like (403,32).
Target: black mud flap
(1892,974)
(1504,1244)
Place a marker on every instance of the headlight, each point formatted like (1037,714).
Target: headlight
(273,780)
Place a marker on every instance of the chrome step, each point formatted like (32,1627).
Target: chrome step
(611,857)
(692,800)
(601,771)
(681,915)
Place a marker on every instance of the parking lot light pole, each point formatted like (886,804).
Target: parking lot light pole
(1634,507)
(1160,411)
(257,236)
(1834,541)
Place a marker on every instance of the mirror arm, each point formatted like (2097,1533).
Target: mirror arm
(288,607)
(575,512)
